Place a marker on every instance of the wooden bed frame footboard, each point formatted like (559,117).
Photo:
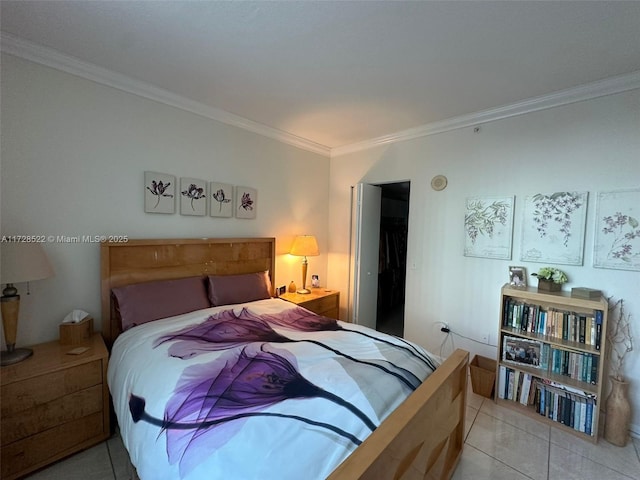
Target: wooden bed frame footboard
(421,439)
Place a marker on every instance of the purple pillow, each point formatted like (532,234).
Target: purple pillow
(230,289)
(144,302)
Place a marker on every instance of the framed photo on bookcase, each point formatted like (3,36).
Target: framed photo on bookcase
(521,351)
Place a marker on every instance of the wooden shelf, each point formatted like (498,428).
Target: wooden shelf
(553,341)
(591,393)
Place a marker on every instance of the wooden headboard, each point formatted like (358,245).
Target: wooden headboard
(138,261)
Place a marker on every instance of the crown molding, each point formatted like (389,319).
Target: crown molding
(608,86)
(19,47)
(22,48)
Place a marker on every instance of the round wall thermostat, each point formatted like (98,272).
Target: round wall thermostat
(439,182)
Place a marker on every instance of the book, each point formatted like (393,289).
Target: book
(517,384)
(589,418)
(588,329)
(582,328)
(509,386)
(501,381)
(598,329)
(593,377)
(524,391)
(544,356)
(586,293)
(583,415)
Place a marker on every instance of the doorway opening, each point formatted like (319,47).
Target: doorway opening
(392,264)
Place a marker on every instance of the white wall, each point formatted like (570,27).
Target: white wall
(73,159)
(588,146)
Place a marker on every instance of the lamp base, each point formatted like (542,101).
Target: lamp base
(15,356)
(304,291)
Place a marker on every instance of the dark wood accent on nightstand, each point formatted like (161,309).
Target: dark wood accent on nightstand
(53,405)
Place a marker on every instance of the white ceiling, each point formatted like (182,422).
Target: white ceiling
(341,72)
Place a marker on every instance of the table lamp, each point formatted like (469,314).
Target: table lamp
(304,246)
(20,262)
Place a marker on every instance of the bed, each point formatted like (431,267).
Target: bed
(349,402)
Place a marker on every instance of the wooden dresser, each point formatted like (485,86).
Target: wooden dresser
(53,405)
(321,301)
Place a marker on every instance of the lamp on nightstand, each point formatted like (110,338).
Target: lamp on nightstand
(305,246)
(19,262)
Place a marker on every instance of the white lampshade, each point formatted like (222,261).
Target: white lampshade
(23,262)
(19,262)
(305,246)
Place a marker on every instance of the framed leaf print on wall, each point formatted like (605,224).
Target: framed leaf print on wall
(193,196)
(553,228)
(159,193)
(488,225)
(617,235)
(246,202)
(220,199)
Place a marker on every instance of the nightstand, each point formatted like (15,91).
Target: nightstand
(321,301)
(54,404)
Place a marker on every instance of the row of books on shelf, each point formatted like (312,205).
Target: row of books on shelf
(565,325)
(579,366)
(571,407)
(537,354)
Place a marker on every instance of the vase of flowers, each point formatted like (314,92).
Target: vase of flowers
(550,279)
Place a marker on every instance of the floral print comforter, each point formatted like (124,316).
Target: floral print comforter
(263,390)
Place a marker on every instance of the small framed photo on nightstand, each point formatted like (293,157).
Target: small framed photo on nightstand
(315,281)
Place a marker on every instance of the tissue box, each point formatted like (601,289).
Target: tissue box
(76,333)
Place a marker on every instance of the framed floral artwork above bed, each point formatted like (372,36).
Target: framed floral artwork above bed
(488,225)
(193,196)
(246,202)
(553,228)
(617,232)
(220,199)
(159,193)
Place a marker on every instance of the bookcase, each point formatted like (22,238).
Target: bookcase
(551,355)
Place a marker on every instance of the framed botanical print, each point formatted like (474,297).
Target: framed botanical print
(246,202)
(617,235)
(553,228)
(159,193)
(193,196)
(220,199)
(488,225)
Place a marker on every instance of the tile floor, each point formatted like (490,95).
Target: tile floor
(500,444)
(503,444)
